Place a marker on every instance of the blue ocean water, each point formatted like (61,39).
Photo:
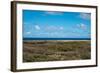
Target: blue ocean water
(56,38)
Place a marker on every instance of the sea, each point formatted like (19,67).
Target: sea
(56,38)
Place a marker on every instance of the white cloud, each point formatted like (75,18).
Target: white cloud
(61,28)
(37,27)
(85,16)
(82,26)
(28,32)
(54,28)
(54,13)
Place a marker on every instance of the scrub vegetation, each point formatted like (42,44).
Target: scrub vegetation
(51,50)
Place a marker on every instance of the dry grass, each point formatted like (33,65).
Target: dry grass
(36,51)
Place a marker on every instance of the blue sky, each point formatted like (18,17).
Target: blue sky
(52,24)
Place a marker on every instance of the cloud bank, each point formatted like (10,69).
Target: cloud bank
(86,16)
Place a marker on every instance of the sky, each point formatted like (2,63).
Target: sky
(54,24)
